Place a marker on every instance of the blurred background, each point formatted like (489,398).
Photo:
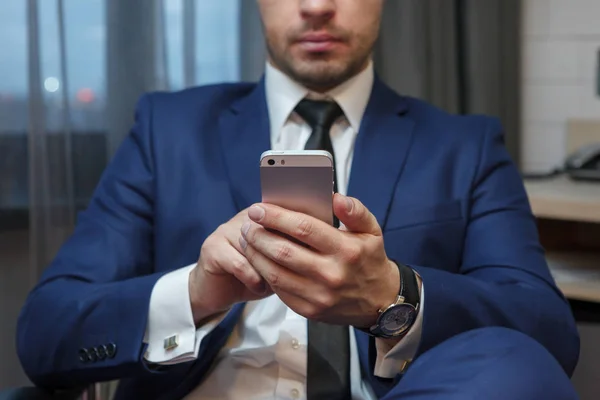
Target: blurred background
(72,70)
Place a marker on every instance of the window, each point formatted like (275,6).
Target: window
(213,57)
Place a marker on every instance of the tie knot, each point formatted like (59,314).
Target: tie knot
(319,113)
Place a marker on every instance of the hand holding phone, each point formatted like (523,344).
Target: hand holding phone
(223,276)
(322,273)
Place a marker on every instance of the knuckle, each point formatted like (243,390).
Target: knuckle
(273,279)
(238,265)
(325,301)
(283,253)
(304,228)
(255,280)
(207,254)
(352,254)
(335,280)
(210,263)
(251,281)
(311,312)
(208,243)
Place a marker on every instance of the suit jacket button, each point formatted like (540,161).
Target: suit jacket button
(84,355)
(101,352)
(92,354)
(111,350)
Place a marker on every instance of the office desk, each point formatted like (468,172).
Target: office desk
(568,215)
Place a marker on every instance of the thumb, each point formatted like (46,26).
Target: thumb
(354,215)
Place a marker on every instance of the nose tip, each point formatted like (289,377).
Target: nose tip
(321,9)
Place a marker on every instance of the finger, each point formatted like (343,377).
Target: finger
(300,305)
(277,277)
(355,216)
(315,304)
(282,251)
(305,296)
(306,229)
(236,264)
(232,233)
(249,295)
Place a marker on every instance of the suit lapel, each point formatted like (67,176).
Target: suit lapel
(244,133)
(380,151)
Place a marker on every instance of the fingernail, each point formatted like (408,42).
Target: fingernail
(243,243)
(349,205)
(256,213)
(245,229)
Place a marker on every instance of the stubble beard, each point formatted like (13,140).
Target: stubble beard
(320,72)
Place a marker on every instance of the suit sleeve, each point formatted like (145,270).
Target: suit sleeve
(170,315)
(85,320)
(504,279)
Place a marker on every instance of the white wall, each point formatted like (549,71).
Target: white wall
(560,56)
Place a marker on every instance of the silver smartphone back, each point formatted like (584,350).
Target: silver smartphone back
(299,181)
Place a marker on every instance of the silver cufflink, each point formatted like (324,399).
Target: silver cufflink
(171,342)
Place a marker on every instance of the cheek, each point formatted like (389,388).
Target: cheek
(275,37)
(366,38)
(365,25)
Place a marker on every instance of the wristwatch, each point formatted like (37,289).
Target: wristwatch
(396,319)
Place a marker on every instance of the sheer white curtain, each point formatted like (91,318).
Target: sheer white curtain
(70,74)
(166,45)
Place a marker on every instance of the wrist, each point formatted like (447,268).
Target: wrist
(395,320)
(202,310)
(385,294)
(392,289)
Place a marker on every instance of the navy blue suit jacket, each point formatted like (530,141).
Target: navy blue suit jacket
(443,188)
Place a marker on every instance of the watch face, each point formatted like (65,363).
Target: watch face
(397,319)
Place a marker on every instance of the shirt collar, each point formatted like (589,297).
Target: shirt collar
(283,94)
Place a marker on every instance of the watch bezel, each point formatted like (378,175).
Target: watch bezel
(408,296)
(388,333)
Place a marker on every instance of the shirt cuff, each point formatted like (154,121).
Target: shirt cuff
(392,360)
(170,319)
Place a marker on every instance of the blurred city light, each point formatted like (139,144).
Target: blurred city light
(85,95)
(51,84)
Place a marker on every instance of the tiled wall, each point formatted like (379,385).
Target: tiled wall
(560,59)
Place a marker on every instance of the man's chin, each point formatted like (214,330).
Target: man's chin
(320,73)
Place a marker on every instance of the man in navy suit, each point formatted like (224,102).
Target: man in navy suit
(436,280)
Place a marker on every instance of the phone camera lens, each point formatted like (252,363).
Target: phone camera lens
(271,162)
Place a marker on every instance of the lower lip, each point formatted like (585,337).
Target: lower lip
(318,47)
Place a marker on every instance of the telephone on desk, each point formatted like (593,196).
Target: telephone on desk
(582,164)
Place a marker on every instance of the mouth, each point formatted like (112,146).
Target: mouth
(317,42)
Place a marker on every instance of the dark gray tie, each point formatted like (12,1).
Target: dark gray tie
(320,115)
(328,363)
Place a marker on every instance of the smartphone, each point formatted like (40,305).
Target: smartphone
(299,181)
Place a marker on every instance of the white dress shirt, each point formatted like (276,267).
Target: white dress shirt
(265,357)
